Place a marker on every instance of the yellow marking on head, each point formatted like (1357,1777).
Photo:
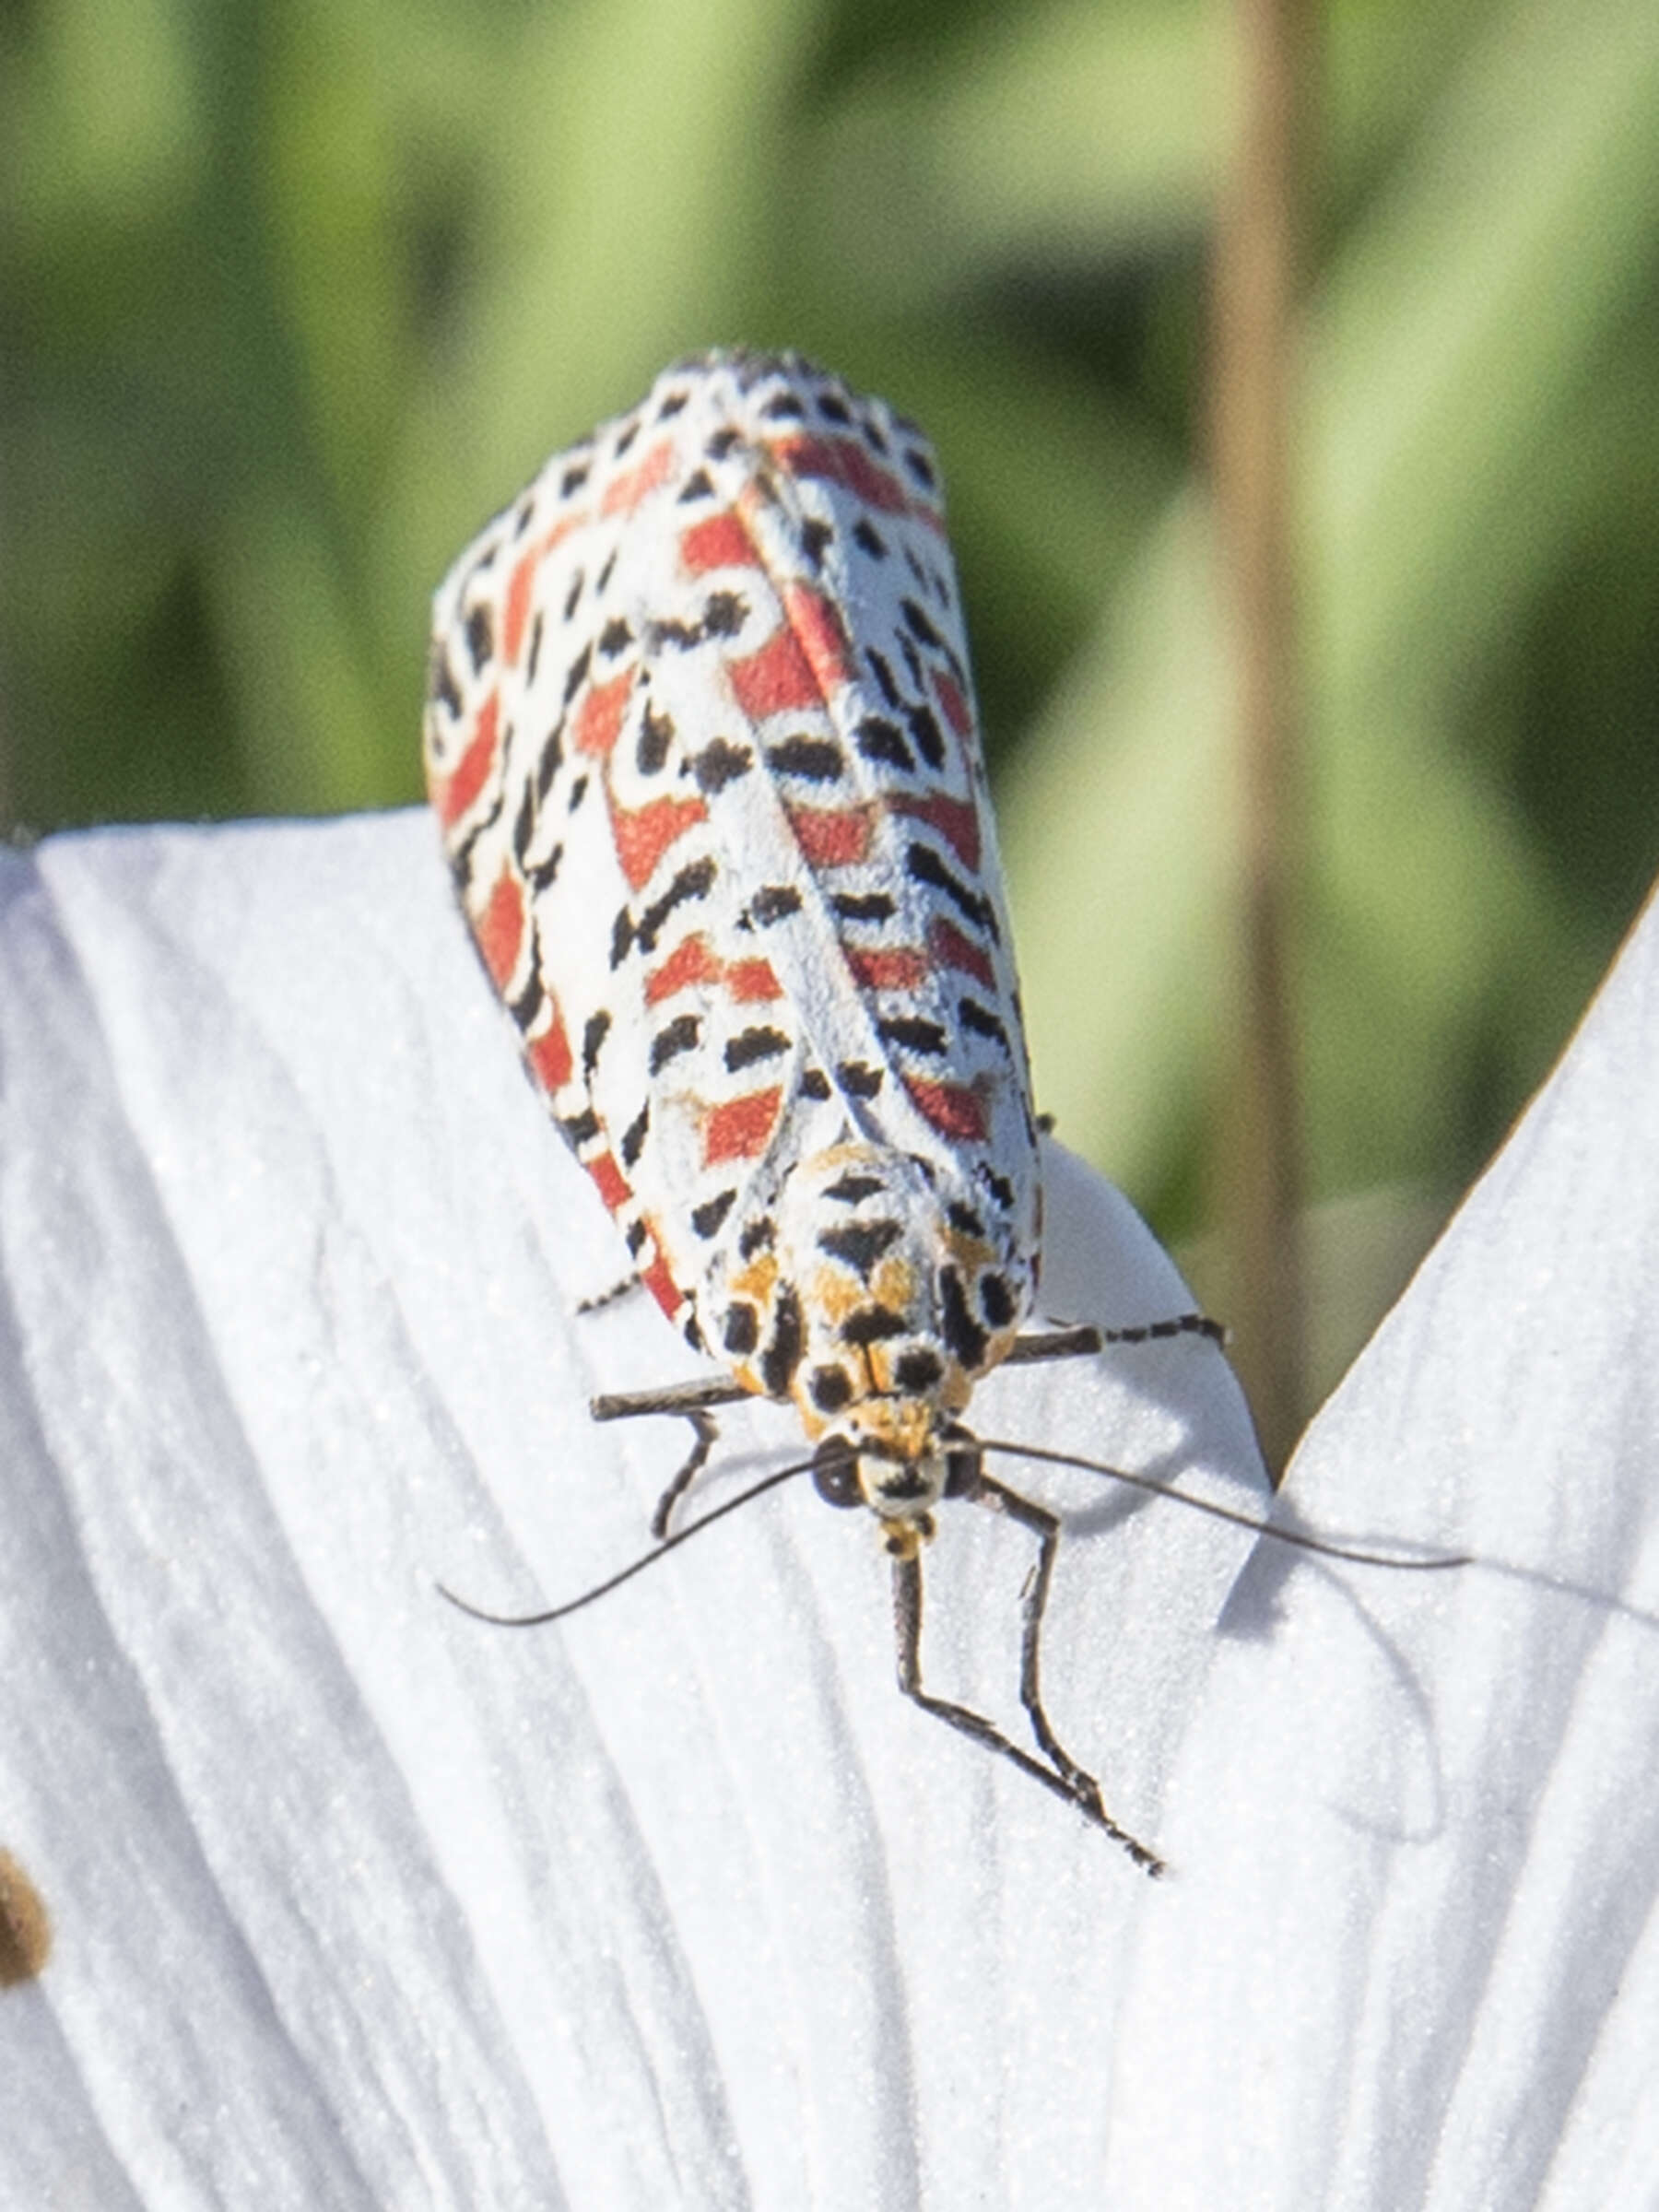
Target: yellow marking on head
(900,1426)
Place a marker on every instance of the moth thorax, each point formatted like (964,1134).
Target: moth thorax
(904,1298)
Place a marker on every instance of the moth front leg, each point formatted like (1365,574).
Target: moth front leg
(706,1429)
(690,1402)
(1081,1787)
(1069,1782)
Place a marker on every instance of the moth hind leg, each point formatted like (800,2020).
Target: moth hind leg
(601,1299)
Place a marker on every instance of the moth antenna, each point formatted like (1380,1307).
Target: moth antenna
(1358,1557)
(626,1574)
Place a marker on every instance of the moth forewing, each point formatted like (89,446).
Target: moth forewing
(701,739)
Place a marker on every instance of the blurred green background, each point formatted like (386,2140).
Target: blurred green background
(293,295)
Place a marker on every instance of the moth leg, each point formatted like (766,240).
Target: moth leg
(601,1299)
(691,1402)
(1076,1340)
(1081,1787)
(907,1626)
(1178,1324)
(706,1431)
(907,1629)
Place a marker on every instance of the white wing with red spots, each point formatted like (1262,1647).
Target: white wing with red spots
(701,739)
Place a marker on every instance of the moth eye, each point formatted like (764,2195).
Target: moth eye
(835,1474)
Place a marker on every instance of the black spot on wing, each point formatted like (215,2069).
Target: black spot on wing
(750,1046)
(858,1079)
(1000,1188)
(981,1021)
(441,679)
(719,763)
(912,1034)
(633,1137)
(680,1036)
(528,1003)
(864,906)
(922,865)
(723,615)
(523,826)
(695,880)
(814,759)
(656,734)
(774,902)
(707,1217)
(917,622)
(879,739)
(930,739)
(884,677)
(550,760)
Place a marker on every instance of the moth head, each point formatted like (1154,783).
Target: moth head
(854,1467)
